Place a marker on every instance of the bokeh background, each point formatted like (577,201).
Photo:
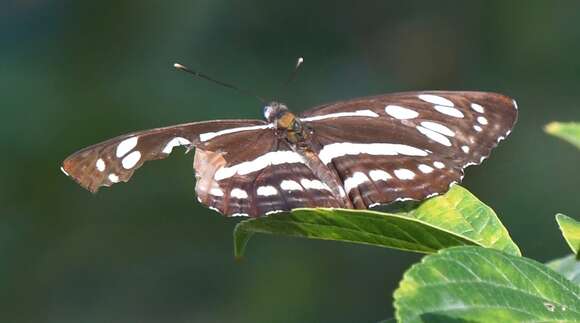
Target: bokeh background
(73,73)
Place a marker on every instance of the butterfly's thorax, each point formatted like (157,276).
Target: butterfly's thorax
(300,139)
(295,132)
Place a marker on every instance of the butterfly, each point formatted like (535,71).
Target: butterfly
(357,153)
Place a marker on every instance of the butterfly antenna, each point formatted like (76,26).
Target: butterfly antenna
(211,79)
(299,62)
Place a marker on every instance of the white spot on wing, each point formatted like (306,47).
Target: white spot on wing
(290,185)
(426,169)
(477,108)
(274,212)
(210,135)
(439,165)
(448,111)
(404,174)
(225,172)
(435,136)
(515,104)
(131,160)
(239,214)
(438,128)
(177,141)
(400,113)
(436,99)
(100,164)
(126,146)
(216,192)
(239,193)
(335,150)
(403,199)
(355,180)
(271,158)
(482,120)
(379,175)
(63,171)
(358,113)
(477,128)
(267,190)
(465,149)
(314,184)
(113,178)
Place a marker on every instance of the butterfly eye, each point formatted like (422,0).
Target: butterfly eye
(268,112)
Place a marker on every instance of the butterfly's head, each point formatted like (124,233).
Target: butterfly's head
(274,110)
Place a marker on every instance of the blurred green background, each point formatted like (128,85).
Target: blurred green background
(73,73)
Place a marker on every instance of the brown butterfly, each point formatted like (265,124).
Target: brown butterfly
(350,154)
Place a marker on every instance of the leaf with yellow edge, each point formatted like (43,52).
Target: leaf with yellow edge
(570,230)
(462,213)
(569,131)
(456,218)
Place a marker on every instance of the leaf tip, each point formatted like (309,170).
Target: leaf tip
(570,229)
(552,127)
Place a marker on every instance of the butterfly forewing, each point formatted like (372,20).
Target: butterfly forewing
(241,167)
(115,160)
(408,145)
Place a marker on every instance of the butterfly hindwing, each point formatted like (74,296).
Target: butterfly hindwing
(276,179)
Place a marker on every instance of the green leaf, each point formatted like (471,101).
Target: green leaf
(366,227)
(569,131)
(460,212)
(456,218)
(568,266)
(570,230)
(473,284)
